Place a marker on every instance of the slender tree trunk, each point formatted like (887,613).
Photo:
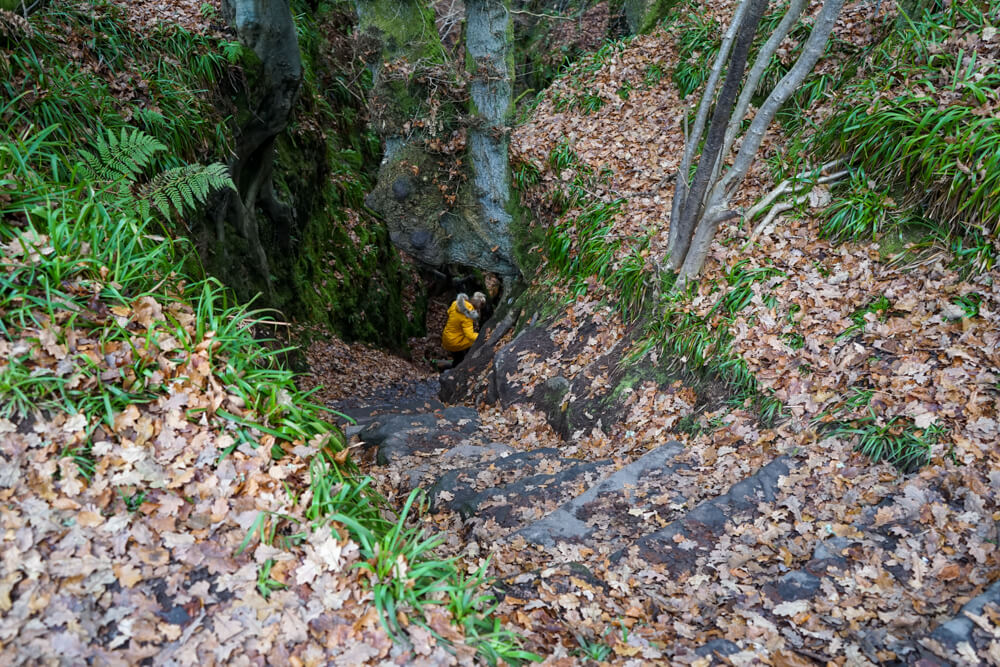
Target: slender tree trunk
(692,140)
(757,70)
(715,208)
(812,51)
(692,208)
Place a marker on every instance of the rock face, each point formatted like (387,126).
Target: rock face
(443,187)
(267,29)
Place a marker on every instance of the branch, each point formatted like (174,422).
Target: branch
(802,198)
(543,16)
(771,215)
(811,53)
(793,183)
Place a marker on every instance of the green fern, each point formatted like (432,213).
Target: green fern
(185,187)
(121,157)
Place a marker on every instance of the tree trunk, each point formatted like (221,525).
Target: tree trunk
(715,208)
(812,51)
(691,141)
(267,28)
(488,38)
(692,207)
(760,64)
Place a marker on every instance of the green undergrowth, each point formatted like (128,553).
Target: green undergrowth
(585,255)
(897,440)
(79,254)
(918,127)
(913,118)
(82,70)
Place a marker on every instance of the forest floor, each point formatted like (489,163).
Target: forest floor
(923,359)
(842,334)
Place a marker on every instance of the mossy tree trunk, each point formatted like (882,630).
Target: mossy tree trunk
(443,186)
(489,45)
(265,27)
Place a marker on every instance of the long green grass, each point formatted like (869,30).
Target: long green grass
(918,126)
(79,71)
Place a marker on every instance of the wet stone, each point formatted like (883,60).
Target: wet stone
(401,188)
(720,647)
(797,585)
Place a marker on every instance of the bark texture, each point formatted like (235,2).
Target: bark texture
(693,139)
(488,38)
(266,27)
(697,214)
(692,208)
(452,210)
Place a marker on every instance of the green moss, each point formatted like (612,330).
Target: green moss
(528,238)
(643,15)
(901,239)
(330,267)
(405,27)
(537,304)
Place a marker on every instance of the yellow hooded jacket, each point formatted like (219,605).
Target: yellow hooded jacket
(459,333)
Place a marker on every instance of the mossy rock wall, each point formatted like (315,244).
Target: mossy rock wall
(643,15)
(336,266)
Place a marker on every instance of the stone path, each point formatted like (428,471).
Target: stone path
(552,501)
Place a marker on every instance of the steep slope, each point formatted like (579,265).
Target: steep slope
(767,529)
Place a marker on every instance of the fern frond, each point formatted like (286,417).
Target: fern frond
(123,156)
(184,188)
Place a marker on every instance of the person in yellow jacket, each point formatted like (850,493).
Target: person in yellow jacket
(460,333)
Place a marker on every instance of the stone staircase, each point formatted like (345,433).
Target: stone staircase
(633,511)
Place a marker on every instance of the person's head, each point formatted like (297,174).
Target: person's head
(478,300)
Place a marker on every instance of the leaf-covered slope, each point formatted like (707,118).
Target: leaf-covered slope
(862,348)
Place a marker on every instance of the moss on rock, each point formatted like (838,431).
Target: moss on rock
(335,265)
(643,15)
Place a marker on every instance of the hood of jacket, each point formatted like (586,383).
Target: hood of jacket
(465,307)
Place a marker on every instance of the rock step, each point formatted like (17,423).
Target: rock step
(612,512)
(571,578)
(400,435)
(962,640)
(358,417)
(539,474)
(680,544)
(832,575)
(424,445)
(531,498)
(383,426)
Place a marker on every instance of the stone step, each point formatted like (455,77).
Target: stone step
(963,641)
(549,583)
(538,474)
(678,545)
(531,498)
(358,417)
(820,587)
(429,455)
(390,424)
(612,512)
